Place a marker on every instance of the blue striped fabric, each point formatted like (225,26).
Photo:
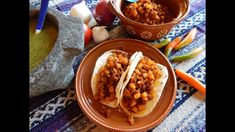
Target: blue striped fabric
(58,110)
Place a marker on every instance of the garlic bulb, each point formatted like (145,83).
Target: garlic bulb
(100,34)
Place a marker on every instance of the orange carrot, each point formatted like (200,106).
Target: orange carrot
(191,80)
(171,45)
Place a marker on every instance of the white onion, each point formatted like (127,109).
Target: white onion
(81,11)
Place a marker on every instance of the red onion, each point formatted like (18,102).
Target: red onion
(102,14)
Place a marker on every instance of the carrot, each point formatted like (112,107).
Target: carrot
(191,80)
(187,40)
(171,45)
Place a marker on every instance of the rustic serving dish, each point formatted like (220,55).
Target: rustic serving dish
(179,8)
(117,121)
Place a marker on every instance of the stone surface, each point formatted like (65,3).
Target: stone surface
(56,71)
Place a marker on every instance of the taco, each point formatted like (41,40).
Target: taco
(143,87)
(109,74)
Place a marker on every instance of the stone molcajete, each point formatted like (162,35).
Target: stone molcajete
(55,71)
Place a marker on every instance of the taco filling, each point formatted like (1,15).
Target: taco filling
(138,90)
(109,76)
(143,88)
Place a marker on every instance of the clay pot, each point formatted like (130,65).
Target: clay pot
(179,8)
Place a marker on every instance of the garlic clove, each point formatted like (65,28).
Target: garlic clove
(100,34)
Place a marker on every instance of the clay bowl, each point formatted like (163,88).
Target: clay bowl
(117,121)
(179,8)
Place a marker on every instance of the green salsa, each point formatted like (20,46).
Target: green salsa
(42,43)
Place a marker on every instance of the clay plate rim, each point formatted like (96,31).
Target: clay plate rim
(91,114)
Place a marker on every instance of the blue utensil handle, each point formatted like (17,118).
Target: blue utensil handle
(132,1)
(42,14)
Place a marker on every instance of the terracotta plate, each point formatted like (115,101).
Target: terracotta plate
(117,121)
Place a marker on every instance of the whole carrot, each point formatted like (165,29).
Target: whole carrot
(191,80)
(171,45)
(187,40)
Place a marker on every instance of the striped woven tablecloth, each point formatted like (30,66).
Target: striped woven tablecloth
(59,111)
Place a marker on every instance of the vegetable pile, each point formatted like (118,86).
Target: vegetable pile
(178,43)
(101,16)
